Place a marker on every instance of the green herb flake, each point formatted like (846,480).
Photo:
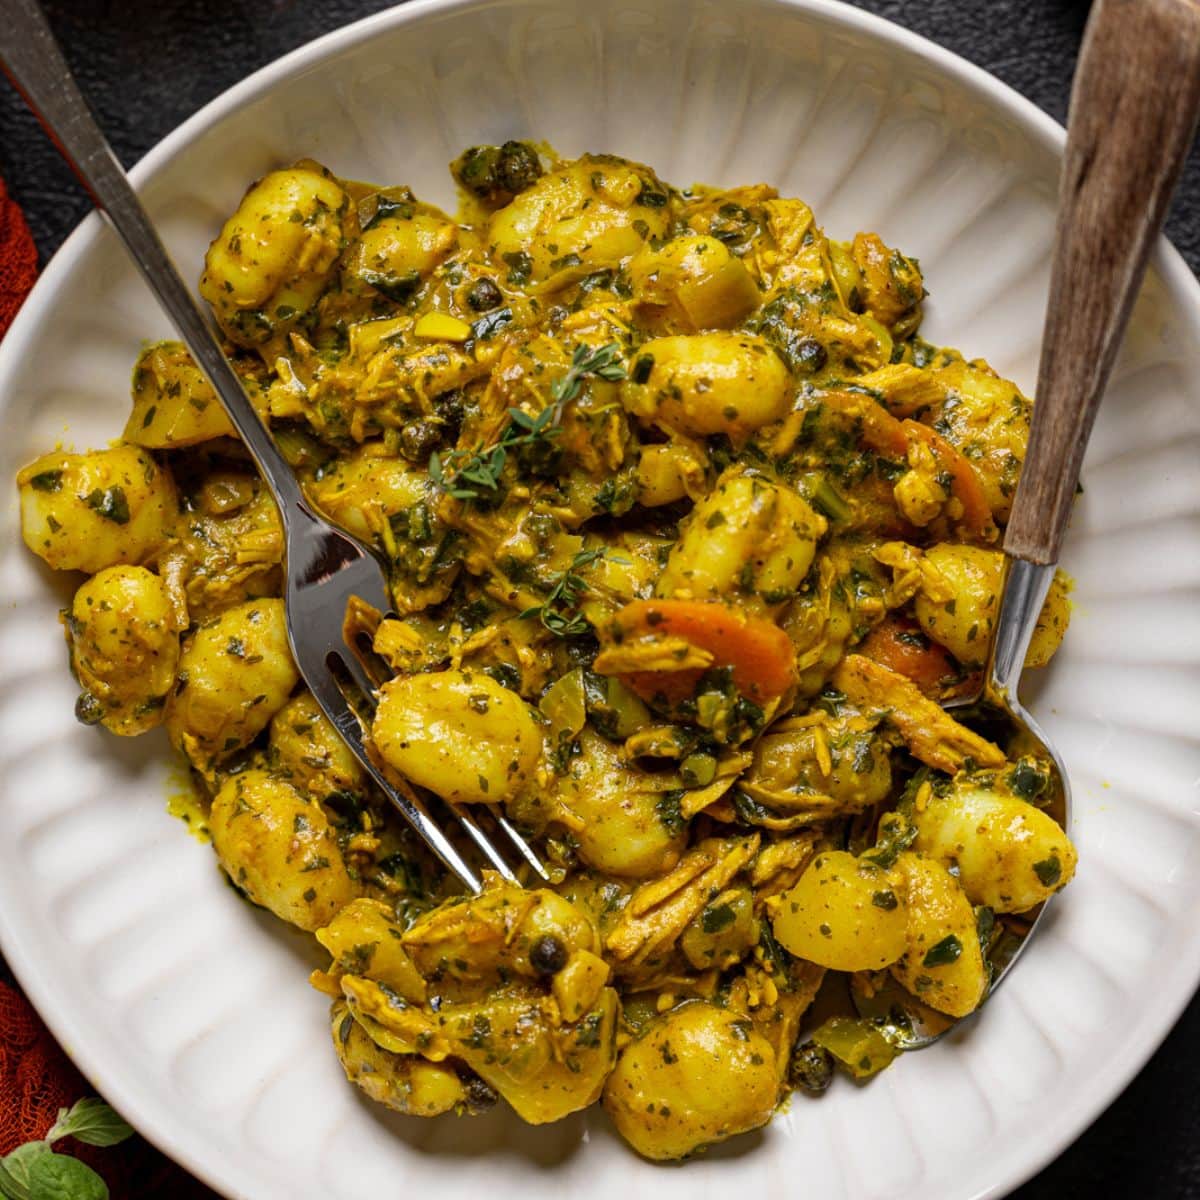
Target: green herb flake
(944,953)
(1049,871)
(669,812)
(110,503)
(716,917)
(47,481)
(559,612)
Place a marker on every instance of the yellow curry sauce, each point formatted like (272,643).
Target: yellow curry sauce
(690,537)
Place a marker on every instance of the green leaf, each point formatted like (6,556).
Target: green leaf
(110,503)
(944,953)
(92,1121)
(47,481)
(895,836)
(714,919)
(1049,870)
(61,1177)
(14,1170)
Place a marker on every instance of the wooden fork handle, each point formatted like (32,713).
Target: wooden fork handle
(1133,113)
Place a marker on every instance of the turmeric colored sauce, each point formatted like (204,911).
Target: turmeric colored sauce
(691,538)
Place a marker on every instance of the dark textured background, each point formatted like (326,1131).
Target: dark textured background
(148,64)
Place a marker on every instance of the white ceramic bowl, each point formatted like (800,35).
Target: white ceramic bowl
(190,1011)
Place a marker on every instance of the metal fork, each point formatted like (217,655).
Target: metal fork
(325,567)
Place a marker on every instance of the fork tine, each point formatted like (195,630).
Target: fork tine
(523,847)
(361,662)
(335,706)
(373,664)
(350,663)
(480,838)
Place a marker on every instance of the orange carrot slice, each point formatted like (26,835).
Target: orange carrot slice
(760,653)
(884,434)
(900,645)
(964,486)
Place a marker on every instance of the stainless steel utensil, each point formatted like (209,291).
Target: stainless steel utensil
(324,566)
(1133,113)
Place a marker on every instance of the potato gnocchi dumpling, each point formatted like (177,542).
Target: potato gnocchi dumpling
(942,964)
(596,212)
(85,512)
(235,673)
(709,383)
(175,406)
(697,1075)
(843,913)
(277,847)
(124,638)
(959,600)
(271,261)
(460,734)
(305,748)
(693,544)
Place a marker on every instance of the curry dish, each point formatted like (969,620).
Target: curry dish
(691,539)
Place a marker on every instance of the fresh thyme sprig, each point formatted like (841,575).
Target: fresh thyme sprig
(468,475)
(559,612)
(604,362)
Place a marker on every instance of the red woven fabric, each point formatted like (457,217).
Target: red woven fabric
(18,259)
(36,1077)
(36,1080)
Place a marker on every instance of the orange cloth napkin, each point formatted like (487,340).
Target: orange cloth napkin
(36,1077)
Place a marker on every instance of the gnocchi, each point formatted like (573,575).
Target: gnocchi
(691,543)
(85,512)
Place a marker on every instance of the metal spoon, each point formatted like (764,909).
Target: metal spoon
(1134,107)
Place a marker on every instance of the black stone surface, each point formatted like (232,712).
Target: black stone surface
(147,64)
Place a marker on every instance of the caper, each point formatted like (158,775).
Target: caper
(484,295)
(811,1068)
(496,173)
(451,408)
(548,955)
(419,439)
(480,1095)
(518,167)
(809,355)
(88,710)
(476,169)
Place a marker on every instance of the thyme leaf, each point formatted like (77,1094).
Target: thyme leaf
(559,612)
(475,475)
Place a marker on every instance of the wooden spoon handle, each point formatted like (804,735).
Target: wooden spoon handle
(1133,112)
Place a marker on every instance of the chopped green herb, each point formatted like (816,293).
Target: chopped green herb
(716,917)
(109,503)
(47,481)
(470,476)
(1049,870)
(669,811)
(895,836)
(944,953)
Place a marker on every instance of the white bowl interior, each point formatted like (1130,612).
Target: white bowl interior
(191,1011)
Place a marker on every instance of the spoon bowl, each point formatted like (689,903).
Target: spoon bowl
(1134,107)
(997,711)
